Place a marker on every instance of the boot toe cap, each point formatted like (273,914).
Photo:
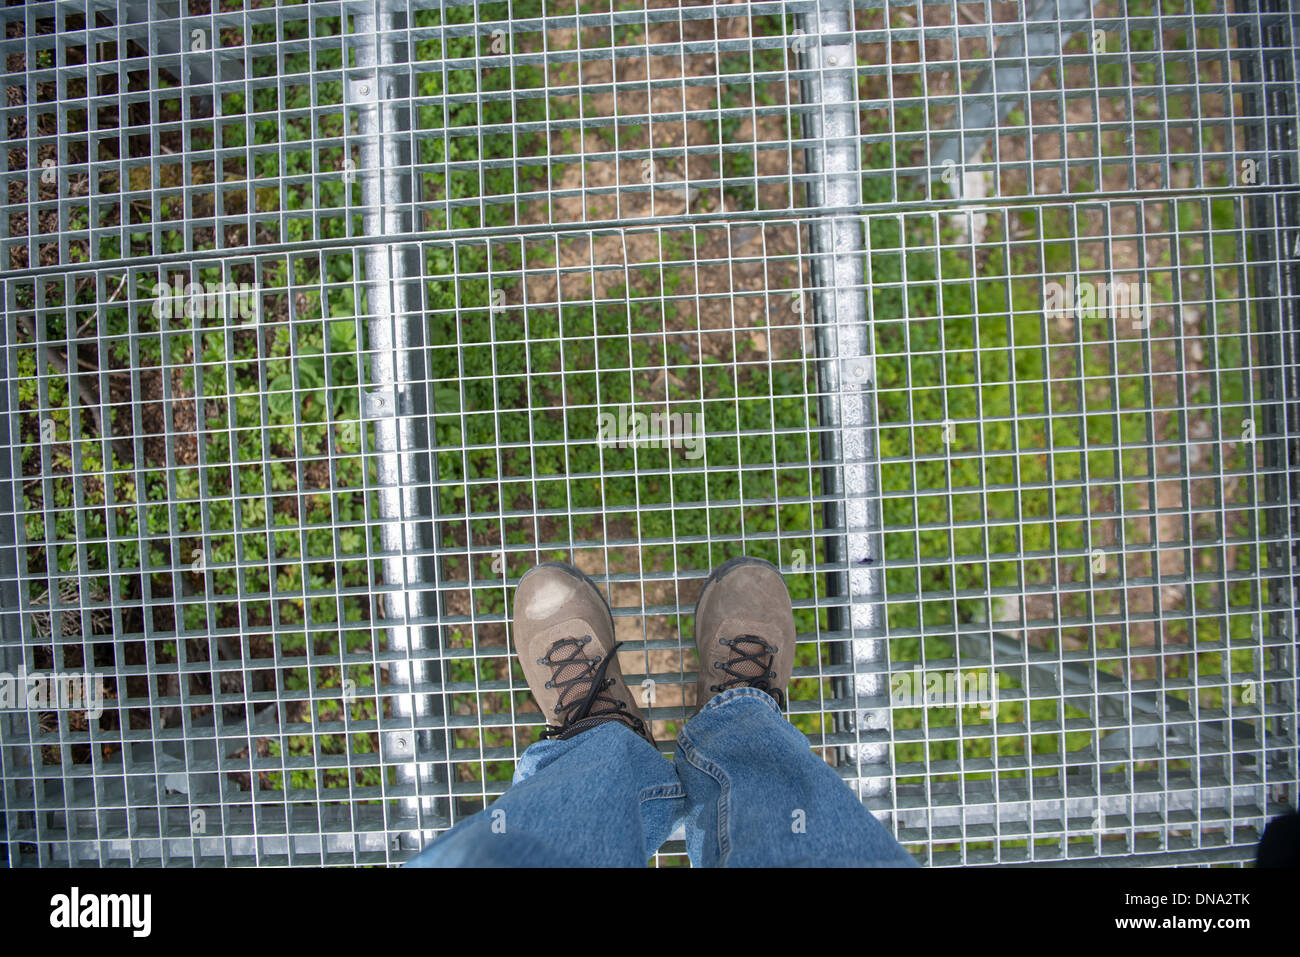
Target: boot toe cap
(544,593)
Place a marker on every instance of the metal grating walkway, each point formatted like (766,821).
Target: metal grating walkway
(323,322)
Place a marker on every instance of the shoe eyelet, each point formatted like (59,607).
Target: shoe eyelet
(714,688)
(586,639)
(550,684)
(771,674)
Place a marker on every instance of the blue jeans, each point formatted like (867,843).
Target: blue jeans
(746,784)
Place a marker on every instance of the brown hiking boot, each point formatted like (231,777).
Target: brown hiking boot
(744,630)
(564,636)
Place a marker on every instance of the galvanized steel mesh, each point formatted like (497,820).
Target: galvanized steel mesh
(454,241)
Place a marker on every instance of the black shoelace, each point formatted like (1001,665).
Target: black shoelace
(583,713)
(762,658)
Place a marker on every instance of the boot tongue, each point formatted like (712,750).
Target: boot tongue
(747,668)
(575,666)
(579,666)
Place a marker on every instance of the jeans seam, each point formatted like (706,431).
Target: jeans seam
(658,791)
(693,757)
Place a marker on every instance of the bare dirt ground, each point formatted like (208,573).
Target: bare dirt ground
(723,260)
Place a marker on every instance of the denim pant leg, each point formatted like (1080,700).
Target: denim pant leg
(757,795)
(603,798)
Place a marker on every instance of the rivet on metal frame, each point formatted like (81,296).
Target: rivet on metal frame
(857,371)
(379,404)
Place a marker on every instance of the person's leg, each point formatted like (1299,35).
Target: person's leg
(595,791)
(756,794)
(604,798)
